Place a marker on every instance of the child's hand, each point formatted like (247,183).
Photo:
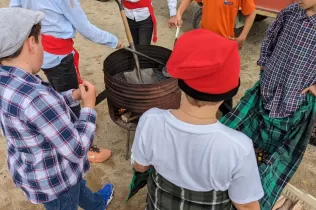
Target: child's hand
(76,95)
(88,94)
(311,89)
(172,21)
(240,40)
(119,45)
(175,21)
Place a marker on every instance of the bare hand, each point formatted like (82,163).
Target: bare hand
(239,40)
(172,21)
(119,45)
(311,90)
(88,94)
(76,95)
(176,20)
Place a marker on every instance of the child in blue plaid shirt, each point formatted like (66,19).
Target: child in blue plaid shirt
(47,151)
(288,59)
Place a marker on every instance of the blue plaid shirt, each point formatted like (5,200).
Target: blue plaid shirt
(288,55)
(46,151)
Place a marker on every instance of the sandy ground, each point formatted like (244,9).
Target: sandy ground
(118,170)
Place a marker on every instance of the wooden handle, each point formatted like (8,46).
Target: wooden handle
(127,29)
(120,5)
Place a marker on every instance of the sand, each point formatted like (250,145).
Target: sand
(117,170)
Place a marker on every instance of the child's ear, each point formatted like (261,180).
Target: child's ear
(31,42)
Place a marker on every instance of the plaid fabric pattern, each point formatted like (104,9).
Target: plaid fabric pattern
(139,181)
(288,57)
(285,139)
(46,151)
(163,195)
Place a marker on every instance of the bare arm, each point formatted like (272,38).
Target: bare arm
(183,6)
(248,24)
(248,9)
(140,168)
(249,206)
(177,20)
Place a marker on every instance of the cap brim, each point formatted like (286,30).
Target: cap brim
(207,96)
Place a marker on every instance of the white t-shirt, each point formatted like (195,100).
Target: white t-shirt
(198,157)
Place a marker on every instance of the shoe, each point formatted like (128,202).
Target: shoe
(97,155)
(107,193)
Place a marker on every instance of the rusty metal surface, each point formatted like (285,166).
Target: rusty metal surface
(131,126)
(138,98)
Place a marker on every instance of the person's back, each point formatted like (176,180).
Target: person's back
(197,157)
(197,162)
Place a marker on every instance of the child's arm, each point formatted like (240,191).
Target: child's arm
(248,8)
(249,206)
(271,39)
(172,4)
(49,117)
(245,188)
(177,21)
(72,97)
(15,3)
(77,17)
(139,150)
(140,168)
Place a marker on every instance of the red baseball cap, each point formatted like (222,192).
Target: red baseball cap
(206,64)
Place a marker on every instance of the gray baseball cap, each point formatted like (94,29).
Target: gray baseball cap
(15,27)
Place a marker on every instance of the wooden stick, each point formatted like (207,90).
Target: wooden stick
(126,116)
(133,118)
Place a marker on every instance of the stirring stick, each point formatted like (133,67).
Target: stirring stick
(176,36)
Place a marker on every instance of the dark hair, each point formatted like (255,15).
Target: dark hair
(198,103)
(35,32)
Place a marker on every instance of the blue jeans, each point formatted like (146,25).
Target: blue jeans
(80,195)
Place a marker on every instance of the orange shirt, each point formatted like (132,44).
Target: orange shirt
(219,15)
